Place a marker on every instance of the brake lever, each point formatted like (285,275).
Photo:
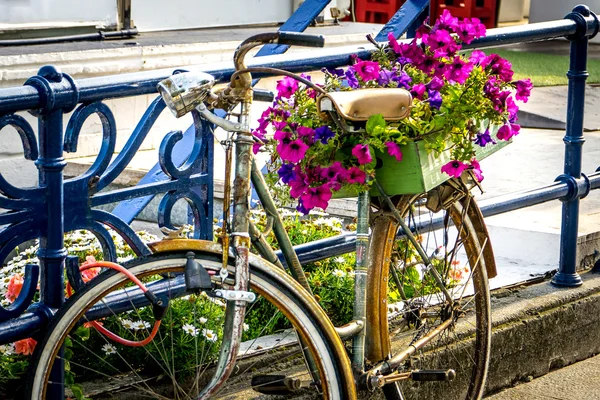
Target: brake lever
(218,121)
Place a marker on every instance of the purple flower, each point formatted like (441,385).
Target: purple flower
(361,152)
(286,173)
(446,21)
(316,197)
(294,151)
(356,175)
(477,57)
(404,80)
(454,168)
(484,138)
(324,134)
(523,89)
(435,84)
(418,90)
(300,207)
(335,71)
(477,170)
(491,88)
(394,150)
(351,78)
(458,71)
(385,77)
(367,70)
(507,131)
(435,99)
(286,87)
(512,110)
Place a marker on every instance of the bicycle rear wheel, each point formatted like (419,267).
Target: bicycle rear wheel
(456,241)
(181,358)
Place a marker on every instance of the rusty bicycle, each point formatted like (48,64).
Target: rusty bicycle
(434,338)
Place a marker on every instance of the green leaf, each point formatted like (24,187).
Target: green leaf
(77,391)
(375,121)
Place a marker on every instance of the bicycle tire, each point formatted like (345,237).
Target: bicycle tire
(470,381)
(273,284)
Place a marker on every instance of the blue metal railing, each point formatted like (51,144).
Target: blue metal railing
(57,205)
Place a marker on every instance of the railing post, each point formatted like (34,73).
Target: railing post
(567,275)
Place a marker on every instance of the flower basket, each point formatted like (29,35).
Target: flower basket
(418,172)
(413,116)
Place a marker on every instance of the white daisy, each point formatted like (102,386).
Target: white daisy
(127,323)
(7,349)
(190,330)
(109,349)
(245,327)
(202,320)
(137,325)
(339,260)
(209,335)
(339,273)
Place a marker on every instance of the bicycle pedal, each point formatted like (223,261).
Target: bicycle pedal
(437,375)
(275,384)
(197,277)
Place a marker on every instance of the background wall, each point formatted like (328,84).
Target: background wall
(41,11)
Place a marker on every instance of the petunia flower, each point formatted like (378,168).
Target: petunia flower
(356,175)
(477,169)
(394,150)
(446,21)
(286,87)
(294,151)
(441,43)
(333,173)
(466,32)
(404,80)
(297,184)
(300,207)
(324,134)
(477,57)
(367,70)
(316,197)
(454,168)
(512,109)
(307,133)
(459,70)
(484,138)
(523,89)
(284,138)
(435,99)
(394,43)
(386,77)
(418,90)
(507,131)
(351,78)
(286,173)
(435,84)
(361,152)
(334,71)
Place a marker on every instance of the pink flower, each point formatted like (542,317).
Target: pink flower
(446,21)
(441,43)
(454,168)
(477,57)
(458,71)
(284,139)
(477,170)
(523,89)
(394,150)
(316,197)
(480,29)
(14,287)
(307,133)
(393,43)
(499,66)
(367,70)
(418,90)
(361,152)
(356,175)
(286,87)
(507,131)
(512,109)
(294,151)
(25,346)
(297,184)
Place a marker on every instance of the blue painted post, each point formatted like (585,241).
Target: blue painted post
(567,273)
(407,18)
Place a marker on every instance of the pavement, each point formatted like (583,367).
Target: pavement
(579,381)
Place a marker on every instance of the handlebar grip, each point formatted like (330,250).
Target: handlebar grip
(263,95)
(301,39)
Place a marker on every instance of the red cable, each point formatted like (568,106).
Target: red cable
(103,330)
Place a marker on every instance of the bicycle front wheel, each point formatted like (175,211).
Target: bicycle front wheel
(409,305)
(181,358)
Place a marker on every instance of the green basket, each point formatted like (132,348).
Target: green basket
(418,172)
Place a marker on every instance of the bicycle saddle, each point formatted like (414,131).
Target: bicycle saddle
(358,105)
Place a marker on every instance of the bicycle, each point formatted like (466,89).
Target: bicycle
(437,316)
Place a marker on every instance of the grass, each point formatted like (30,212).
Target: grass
(544,69)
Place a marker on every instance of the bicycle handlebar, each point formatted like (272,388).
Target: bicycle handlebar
(300,39)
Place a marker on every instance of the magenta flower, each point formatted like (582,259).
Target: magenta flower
(523,89)
(484,138)
(441,43)
(458,71)
(394,150)
(454,168)
(512,110)
(361,152)
(507,131)
(439,69)
(297,184)
(491,88)
(447,21)
(418,90)
(316,197)
(393,43)
(435,84)
(499,66)
(480,29)
(306,133)
(334,172)
(284,138)
(466,32)
(286,87)
(356,175)
(294,151)
(279,125)
(477,57)
(477,170)
(427,64)
(324,134)
(367,70)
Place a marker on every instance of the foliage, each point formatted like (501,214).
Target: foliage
(453,96)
